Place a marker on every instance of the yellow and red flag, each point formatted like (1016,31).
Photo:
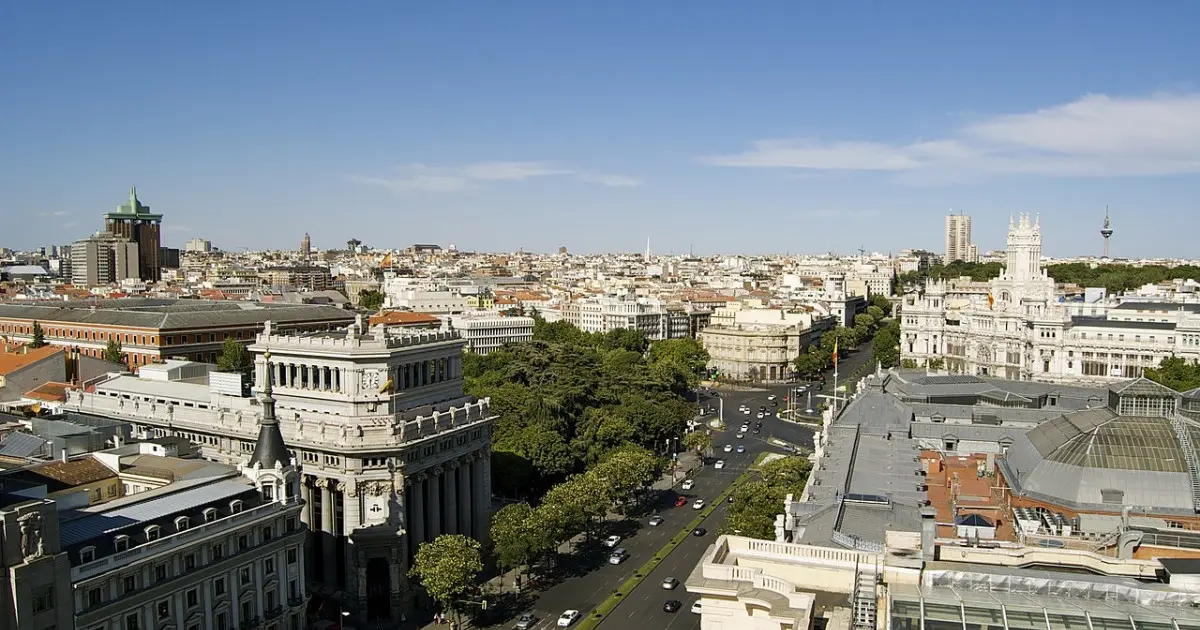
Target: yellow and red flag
(835,345)
(991,300)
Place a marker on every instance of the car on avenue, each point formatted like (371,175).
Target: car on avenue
(742,447)
(525,622)
(688,484)
(698,505)
(720,464)
(612,541)
(728,448)
(567,618)
(672,605)
(618,556)
(771,397)
(670,583)
(655,520)
(699,531)
(696,607)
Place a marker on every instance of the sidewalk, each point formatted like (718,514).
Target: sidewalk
(506,582)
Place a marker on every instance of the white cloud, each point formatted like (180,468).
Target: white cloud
(424,178)
(56,213)
(1094,136)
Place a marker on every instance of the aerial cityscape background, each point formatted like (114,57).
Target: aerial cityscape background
(537,125)
(532,315)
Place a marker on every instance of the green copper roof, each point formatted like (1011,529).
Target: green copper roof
(133,209)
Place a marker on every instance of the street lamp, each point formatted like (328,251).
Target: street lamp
(344,614)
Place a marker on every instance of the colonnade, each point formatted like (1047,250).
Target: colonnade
(451,498)
(340,380)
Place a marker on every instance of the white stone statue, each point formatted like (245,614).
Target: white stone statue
(31,536)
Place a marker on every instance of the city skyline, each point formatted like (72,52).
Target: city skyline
(535,126)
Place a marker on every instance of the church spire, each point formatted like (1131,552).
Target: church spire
(270,449)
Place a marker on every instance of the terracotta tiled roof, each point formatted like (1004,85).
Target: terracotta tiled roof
(50,391)
(76,472)
(404,318)
(14,358)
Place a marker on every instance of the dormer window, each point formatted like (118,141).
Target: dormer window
(268,492)
(210,515)
(182,523)
(121,543)
(152,533)
(87,554)
(235,506)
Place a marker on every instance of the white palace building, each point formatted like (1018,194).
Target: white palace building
(1018,327)
(392,453)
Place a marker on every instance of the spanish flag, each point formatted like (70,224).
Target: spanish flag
(387,260)
(835,344)
(991,300)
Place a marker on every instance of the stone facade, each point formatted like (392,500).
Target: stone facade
(392,452)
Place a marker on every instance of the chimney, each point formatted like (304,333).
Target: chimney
(62,455)
(928,534)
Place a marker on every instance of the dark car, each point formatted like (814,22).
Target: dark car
(699,531)
(672,605)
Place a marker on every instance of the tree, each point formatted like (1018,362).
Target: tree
(627,471)
(371,299)
(687,353)
(876,313)
(447,567)
(515,541)
(882,303)
(699,441)
(885,349)
(936,363)
(753,512)
(234,357)
(788,474)
(909,364)
(39,337)
(1179,374)
(113,353)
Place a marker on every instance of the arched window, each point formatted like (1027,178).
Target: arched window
(121,543)
(235,506)
(87,554)
(210,515)
(182,523)
(152,532)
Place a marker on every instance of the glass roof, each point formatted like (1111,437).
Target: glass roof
(1126,443)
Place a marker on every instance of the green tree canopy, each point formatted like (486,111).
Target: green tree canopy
(113,352)
(234,357)
(448,566)
(1179,374)
(885,348)
(756,503)
(882,303)
(699,441)
(39,337)
(516,541)
(371,299)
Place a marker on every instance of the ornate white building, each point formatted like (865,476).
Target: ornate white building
(1018,327)
(392,452)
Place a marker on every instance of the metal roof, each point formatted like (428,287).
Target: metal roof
(172,314)
(1143,387)
(17,444)
(97,524)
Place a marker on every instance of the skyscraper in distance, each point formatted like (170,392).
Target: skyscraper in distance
(134,221)
(958,239)
(306,246)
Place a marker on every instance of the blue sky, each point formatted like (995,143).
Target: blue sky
(724,127)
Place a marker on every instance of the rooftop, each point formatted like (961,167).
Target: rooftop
(164,314)
(59,476)
(21,357)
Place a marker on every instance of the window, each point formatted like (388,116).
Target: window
(131,622)
(222,621)
(121,543)
(243,542)
(43,599)
(192,597)
(129,584)
(95,597)
(244,574)
(217,552)
(219,586)
(182,523)
(164,609)
(210,515)
(292,555)
(160,573)
(152,533)
(268,492)
(291,524)
(266,533)
(247,612)
(269,566)
(236,505)
(189,561)
(87,554)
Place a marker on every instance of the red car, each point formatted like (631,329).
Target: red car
(681,501)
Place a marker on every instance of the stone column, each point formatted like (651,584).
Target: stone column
(322,378)
(351,506)
(434,508)
(466,502)
(328,539)
(414,495)
(450,483)
(481,498)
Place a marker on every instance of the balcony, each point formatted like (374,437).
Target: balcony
(274,612)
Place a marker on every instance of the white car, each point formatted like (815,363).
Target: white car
(670,583)
(771,397)
(612,541)
(741,435)
(720,464)
(567,618)
(747,412)
(696,608)
(760,415)
(698,505)
(741,449)
(655,520)
(728,448)
(688,484)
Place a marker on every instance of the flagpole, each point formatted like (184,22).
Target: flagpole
(835,377)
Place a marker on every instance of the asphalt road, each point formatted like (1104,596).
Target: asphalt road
(589,579)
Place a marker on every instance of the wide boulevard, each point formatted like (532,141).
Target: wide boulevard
(591,579)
